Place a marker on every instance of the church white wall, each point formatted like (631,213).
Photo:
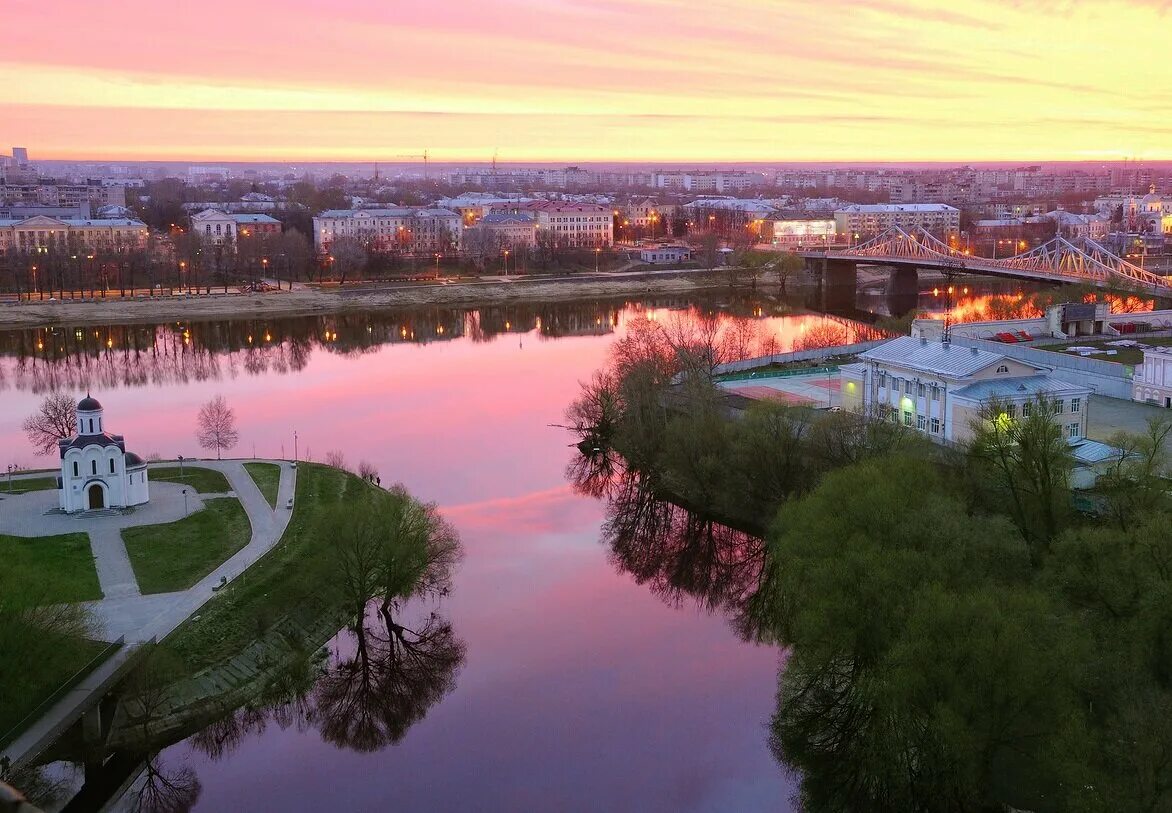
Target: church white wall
(137,486)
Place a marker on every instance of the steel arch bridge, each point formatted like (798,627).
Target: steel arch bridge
(1058,260)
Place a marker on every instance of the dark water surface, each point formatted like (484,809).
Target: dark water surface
(579,689)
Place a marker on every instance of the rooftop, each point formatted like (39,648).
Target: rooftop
(932,356)
(884,208)
(1021,387)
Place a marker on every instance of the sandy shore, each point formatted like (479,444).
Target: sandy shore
(310,300)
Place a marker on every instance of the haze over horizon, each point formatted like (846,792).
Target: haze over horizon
(591,81)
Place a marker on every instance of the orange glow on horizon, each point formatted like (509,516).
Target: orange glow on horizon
(733,80)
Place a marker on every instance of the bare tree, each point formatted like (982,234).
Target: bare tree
(335,458)
(217,426)
(54,421)
(367,470)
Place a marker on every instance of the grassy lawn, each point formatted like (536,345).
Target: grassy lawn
(176,555)
(205,481)
(49,569)
(299,574)
(46,662)
(267,477)
(28,484)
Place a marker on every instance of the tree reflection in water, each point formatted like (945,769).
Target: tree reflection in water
(675,552)
(162,790)
(371,698)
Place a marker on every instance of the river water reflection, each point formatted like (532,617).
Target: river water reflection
(594,675)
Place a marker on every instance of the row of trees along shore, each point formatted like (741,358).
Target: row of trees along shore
(957,635)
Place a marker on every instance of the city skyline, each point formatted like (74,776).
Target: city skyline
(646,80)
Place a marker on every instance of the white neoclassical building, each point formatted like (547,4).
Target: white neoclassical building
(1153,380)
(96,470)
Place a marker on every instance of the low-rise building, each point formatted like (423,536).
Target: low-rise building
(227,227)
(399,229)
(45,233)
(661,255)
(867,220)
(1153,379)
(509,229)
(941,389)
(804,232)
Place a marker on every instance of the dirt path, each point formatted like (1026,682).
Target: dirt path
(357,297)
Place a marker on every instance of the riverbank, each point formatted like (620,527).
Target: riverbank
(363,296)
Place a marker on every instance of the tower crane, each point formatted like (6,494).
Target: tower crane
(422,155)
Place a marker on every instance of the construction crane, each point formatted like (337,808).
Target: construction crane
(422,155)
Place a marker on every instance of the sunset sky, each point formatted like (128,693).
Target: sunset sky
(588,80)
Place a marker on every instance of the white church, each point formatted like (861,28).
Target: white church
(96,470)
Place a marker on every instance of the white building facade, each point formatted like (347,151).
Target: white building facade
(1153,380)
(941,389)
(96,470)
(399,229)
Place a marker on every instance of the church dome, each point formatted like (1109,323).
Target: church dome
(88,404)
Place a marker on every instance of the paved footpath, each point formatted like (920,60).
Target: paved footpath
(140,617)
(125,612)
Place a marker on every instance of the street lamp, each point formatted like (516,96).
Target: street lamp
(185,502)
(180,467)
(506,262)
(597,253)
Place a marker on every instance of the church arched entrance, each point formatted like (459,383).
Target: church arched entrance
(97,497)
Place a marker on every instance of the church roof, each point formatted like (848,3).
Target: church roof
(88,404)
(81,441)
(133,460)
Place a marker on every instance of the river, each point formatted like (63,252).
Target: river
(580,689)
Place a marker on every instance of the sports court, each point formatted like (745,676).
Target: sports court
(816,389)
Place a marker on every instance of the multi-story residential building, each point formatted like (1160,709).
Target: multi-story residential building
(400,229)
(867,220)
(507,229)
(472,206)
(224,227)
(942,389)
(719,182)
(92,193)
(40,233)
(575,225)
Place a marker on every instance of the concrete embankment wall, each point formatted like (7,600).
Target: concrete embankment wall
(797,355)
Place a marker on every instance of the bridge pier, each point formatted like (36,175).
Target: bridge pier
(903,289)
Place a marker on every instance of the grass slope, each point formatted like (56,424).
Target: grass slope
(205,481)
(267,477)
(296,575)
(176,555)
(49,569)
(46,663)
